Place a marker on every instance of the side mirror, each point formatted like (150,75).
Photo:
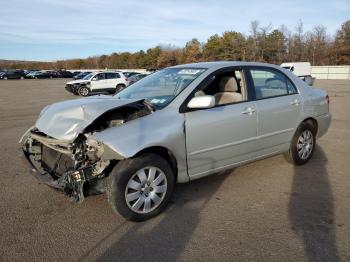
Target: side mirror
(201,102)
(94,78)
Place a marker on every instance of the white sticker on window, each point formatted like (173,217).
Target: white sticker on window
(189,71)
(155,101)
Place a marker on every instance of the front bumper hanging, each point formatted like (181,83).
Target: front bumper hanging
(71,183)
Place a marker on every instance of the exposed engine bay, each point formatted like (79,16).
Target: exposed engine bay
(77,167)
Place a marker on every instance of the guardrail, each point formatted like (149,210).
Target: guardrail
(331,72)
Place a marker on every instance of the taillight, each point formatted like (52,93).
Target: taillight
(327,98)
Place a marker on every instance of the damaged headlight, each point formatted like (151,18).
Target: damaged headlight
(98,150)
(94,149)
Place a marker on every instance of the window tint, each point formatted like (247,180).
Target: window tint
(112,75)
(100,76)
(269,83)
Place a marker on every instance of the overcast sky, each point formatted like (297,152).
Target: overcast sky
(60,29)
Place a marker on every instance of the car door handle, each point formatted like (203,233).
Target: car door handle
(295,102)
(248,111)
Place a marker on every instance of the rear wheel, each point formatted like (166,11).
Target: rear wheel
(141,187)
(22,77)
(303,144)
(83,91)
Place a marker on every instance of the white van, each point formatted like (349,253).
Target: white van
(301,69)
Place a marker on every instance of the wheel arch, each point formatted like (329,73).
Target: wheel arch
(163,152)
(313,122)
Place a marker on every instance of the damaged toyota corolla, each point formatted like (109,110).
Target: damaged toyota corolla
(176,125)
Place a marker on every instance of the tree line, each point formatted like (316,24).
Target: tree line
(263,44)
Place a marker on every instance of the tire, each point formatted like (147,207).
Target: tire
(119,88)
(83,91)
(303,144)
(5,78)
(126,179)
(22,77)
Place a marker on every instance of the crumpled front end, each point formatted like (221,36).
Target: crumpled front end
(63,152)
(75,168)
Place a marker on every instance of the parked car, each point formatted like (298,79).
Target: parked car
(65,74)
(129,74)
(135,78)
(300,69)
(53,74)
(13,74)
(38,75)
(176,125)
(81,75)
(98,82)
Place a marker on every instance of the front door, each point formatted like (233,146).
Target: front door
(222,136)
(98,82)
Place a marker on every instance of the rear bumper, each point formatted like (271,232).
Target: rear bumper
(323,122)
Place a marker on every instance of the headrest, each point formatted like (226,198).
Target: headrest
(228,84)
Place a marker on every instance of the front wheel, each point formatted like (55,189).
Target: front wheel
(83,91)
(140,188)
(303,144)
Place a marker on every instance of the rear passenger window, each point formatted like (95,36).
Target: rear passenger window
(112,75)
(270,83)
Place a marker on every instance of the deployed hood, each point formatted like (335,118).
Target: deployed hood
(65,120)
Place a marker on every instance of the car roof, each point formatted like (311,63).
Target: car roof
(220,64)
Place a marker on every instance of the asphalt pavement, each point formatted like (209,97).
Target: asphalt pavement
(265,211)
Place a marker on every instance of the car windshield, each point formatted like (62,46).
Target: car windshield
(87,77)
(162,87)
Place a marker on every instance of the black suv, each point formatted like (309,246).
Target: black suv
(16,74)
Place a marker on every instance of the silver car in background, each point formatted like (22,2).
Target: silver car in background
(176,125)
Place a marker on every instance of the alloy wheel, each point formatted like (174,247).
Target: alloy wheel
(146,190)
(305,144)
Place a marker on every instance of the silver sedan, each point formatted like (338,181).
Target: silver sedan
(176,125)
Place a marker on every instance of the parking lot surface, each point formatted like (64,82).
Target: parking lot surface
(267,211)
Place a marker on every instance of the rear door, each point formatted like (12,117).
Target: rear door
(112,80)
(278,105)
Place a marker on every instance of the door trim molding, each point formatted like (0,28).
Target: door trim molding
(239,142)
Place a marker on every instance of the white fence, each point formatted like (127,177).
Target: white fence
(331,72)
